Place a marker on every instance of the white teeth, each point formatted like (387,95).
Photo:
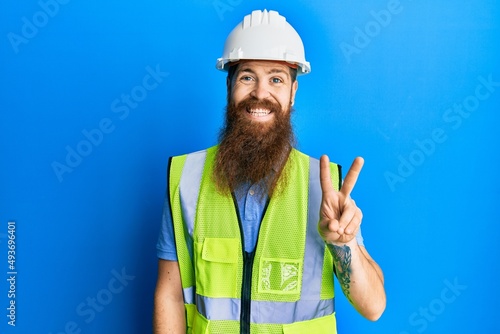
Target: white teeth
(260,112)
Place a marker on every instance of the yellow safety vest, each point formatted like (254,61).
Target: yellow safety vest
(284,286)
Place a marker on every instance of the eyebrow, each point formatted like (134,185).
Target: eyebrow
(271,71)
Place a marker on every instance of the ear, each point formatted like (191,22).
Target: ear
(295,86)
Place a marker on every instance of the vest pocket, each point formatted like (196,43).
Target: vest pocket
(280,276)
(326,324)
(216,267)
(190,314)
(200,324)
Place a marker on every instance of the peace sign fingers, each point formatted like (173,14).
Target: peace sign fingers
(339,216)
(351,177)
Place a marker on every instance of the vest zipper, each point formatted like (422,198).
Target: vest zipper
(246,285)
(246,292)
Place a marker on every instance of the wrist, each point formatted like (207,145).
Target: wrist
(340,249)
(351,243)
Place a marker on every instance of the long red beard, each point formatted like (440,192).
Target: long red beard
(250,151)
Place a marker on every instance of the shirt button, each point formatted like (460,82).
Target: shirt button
(251,192)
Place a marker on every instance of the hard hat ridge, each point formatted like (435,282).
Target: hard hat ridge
(262,17)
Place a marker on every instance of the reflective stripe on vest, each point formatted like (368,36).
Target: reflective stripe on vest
(264,312)
(315,300)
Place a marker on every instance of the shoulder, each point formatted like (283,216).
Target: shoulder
(192,161)
(313,160)
(314,169)
(202,152)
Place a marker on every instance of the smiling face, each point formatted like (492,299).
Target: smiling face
(263,88)
(257,136)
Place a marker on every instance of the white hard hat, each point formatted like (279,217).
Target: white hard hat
(264,35)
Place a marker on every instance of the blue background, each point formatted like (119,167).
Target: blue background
(386,77)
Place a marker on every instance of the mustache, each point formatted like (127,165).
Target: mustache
(255,103)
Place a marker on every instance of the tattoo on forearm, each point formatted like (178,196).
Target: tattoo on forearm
(342,261)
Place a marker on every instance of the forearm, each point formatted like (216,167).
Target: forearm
(360,278)
(169,314)
(168,317)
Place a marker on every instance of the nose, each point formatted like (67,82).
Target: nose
(261,90)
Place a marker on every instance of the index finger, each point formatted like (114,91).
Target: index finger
(324,174)
(352,176)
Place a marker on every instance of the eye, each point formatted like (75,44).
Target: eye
(276,80)
(246,78)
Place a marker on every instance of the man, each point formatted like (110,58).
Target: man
(253,230)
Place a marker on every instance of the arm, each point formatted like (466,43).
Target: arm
(360,277)
(169,313)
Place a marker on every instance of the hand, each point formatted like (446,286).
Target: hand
(339,217)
